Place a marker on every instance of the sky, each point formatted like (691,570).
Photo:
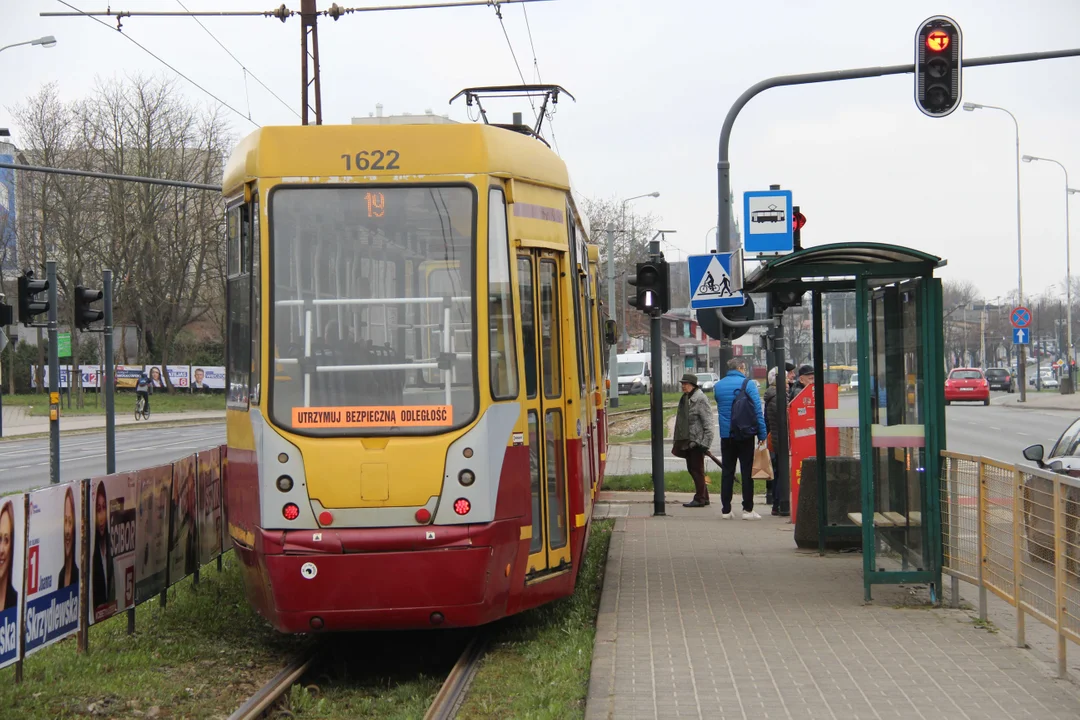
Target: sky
(653,82)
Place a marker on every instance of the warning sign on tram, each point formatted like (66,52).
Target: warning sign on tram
(372,417)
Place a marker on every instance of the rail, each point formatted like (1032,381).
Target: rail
(1014,531)
(450,696)
(268,694)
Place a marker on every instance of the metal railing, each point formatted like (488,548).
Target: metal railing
(1014,530)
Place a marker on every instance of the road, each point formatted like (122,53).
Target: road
(1002,433)
(24,464)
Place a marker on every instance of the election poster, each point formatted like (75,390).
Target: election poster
(179,376)
(91,376)
(157,381)
(183,533)
(52,572)
(127,376)
(205,379)
(113,510)
(151,527)
(209,505)
(12,555)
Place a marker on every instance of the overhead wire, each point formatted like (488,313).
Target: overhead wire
(498,14)
(536,69)
(243,67)
(163,62)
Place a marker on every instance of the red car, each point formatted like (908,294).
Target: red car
(967,385)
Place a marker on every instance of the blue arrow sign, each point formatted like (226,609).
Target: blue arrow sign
(711,285)
(1021,336)
(767,219)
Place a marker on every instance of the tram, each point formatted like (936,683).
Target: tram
(415,410)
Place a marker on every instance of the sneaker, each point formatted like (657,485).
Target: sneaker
(750,515)
(725,515)
(776,511)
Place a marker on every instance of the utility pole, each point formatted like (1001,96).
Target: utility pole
(309,59)
(54,378)
(613,351)
(657,387)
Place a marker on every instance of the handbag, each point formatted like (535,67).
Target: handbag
(763,469)
(681,448)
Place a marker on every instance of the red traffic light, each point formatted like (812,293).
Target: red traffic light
(937,41)
(797,221)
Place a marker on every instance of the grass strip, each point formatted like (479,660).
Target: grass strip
(200,657)
(176,401)
(675,482)
(538,664)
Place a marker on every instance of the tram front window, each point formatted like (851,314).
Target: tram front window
(373,325)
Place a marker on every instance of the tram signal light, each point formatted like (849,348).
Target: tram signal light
(797,222)
(652,280)
(938,66)
(29,305)
(84,314)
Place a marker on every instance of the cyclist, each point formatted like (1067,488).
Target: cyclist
(143,390)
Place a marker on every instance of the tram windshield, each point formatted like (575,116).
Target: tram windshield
(373,321)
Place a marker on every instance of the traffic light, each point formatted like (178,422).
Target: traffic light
(6,316)
(797,222)
(84,314)
(653,287)
(938,58)
(29,306)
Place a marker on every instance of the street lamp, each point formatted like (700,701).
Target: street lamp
(46,41)
(613,352)
(1068,265)
(707,237)
(1022,363)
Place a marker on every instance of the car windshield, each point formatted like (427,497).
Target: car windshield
(965,375)
(631,368)
(372,316)
(1067,444)
(706,377)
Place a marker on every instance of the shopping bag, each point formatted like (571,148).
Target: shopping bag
(763,469)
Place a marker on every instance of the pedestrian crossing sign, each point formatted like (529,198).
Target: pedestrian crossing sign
(712,282)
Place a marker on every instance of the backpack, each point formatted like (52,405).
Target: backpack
(743,415)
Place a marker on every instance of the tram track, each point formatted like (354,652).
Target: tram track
(268,701)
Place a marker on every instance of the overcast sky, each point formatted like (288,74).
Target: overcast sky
(653,81)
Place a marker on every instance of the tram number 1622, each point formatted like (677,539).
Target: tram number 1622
(372,160)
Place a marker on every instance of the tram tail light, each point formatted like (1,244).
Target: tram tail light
(462,506)
(326,517)
(290,511)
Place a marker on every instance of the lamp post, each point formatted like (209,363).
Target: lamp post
(707,246)
(1021,365)
(613,352)
(46,41)
(1068,267)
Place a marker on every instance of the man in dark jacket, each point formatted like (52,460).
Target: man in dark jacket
(804,378)
(693,436)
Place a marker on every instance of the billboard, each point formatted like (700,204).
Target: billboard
(179,376)
(113,510)
(205,378)
(210,520)
(54,546)
(156,379)
(151,526)
(127,376)
(12,555)
(183,531)
(8,260)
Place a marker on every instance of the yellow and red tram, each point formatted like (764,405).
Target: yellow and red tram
(415,366)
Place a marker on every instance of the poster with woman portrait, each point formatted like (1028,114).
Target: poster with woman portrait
(54,542)
(157,380)
(113,510)
(12,556)
(183,530)
(209,505)
(151,528)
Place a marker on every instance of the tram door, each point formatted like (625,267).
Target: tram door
(542,313)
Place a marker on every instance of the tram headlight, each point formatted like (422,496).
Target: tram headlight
(466,477)
(284,483)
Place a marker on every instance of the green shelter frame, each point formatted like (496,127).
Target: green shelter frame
(901,413)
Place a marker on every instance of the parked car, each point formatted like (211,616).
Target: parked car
(1038,494)
(1064,456)
(1044,379)
(853,383)
(706,381)
(1001,379)
(967,385)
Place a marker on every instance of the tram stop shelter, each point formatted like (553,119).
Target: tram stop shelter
(899,429)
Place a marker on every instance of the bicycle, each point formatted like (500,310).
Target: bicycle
(141,410)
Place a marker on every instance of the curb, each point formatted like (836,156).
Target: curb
(119,428)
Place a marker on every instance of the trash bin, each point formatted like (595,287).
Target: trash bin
(1066,387)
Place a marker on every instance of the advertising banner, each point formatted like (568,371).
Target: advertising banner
(205,378)
(183,533)
(803,434)
(113,510)
(127,376)
(156,379)
(179,376)
(91,376)
(12,555)
(52,572)
(210,523)
(151,527)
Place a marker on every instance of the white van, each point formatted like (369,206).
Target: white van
(635,375)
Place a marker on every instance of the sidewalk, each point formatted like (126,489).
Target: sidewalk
(1045,400)
(18,423)
(709,618)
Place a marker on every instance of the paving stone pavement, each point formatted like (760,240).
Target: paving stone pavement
(708,618)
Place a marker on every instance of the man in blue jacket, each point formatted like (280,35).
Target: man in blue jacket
(737,442)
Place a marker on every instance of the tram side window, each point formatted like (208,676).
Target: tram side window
(503,351)
(575,289)
(256,305)
(239,304)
